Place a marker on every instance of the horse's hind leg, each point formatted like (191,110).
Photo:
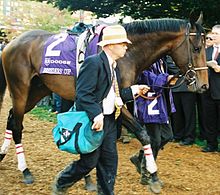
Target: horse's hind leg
(37,91)
(18,84)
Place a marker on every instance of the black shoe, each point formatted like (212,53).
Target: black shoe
(186,143)
(209,149)
(58,191)
(135,160)
(89,185)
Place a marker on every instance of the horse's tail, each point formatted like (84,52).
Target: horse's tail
(2,83)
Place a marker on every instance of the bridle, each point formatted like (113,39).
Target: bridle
(190,74)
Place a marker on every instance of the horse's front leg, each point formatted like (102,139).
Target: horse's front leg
(12,131)
(141,134)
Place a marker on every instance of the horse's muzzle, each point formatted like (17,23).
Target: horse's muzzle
(205,87)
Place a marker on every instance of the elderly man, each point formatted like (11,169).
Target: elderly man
(210,100)
(98,93)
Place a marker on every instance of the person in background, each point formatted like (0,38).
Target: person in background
(202,132)
(2,45)
(153,112)
(56,107)
(98,93)
(184,119)
(209,40)
(210,100)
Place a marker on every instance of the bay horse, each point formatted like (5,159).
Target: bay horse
(152,39)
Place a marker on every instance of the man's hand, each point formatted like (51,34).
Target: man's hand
(98,122)
(212,64)
(142,89)
(217,68)
(171,80)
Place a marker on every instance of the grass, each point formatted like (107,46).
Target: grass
(44,113)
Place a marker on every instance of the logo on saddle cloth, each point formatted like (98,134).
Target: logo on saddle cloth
(61,50)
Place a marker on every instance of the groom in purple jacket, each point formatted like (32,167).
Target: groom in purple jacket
(153,112)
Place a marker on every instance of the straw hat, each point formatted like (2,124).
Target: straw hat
(114,34)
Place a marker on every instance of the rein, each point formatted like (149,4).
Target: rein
(163,87)
(146,97)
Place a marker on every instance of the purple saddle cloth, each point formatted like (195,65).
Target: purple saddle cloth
(59,56)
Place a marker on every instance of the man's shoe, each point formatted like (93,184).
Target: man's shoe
(89,185)
(135,161)
(55,189)
(209,149)
(175,140)
(125,139)
(58,191)
(186,143)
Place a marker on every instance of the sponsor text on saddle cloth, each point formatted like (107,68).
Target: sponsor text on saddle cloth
(60,53)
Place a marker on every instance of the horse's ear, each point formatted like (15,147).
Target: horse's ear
(200,19)
(193,18)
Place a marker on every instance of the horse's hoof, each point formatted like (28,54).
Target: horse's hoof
(2,157)
(155,186)
(28,177)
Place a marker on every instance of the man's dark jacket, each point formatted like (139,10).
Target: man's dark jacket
(214,78)
(93,84)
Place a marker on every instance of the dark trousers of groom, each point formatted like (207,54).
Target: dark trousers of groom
(104,159)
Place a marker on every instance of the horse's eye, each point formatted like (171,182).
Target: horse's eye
(197,49)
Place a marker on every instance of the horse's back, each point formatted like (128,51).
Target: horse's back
(26,50)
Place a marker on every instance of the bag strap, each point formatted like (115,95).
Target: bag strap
(77,137)
(75,130)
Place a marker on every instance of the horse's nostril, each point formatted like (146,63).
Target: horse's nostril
(206,86)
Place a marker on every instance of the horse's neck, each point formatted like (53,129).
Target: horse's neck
(154,46)
(144,52)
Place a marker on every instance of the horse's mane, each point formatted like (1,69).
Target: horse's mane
(155,25)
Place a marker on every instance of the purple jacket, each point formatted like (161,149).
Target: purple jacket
(154,110)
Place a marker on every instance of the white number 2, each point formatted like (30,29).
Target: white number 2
(150,107)
(49,51)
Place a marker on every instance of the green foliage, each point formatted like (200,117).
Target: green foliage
(141,9)
(44,114)
(102,8)
(30,15)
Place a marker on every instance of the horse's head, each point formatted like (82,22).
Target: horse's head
(189,54)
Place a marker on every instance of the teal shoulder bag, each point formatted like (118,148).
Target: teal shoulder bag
(73,133)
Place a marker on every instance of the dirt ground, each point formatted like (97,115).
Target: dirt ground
(184,170)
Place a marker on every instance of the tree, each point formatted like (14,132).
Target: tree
(102,8)
(35,15)
(142,9)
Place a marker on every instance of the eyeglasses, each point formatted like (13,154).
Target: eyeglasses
(209,38)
